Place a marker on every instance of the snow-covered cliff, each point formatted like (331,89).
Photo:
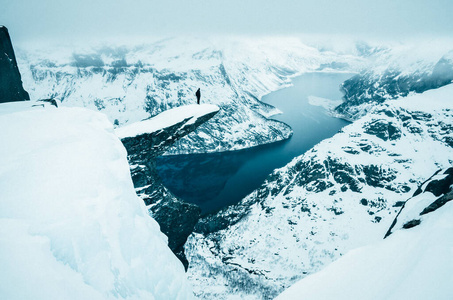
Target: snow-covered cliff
(146,140)
(71,225)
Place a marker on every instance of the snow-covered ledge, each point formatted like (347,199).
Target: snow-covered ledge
(187,114)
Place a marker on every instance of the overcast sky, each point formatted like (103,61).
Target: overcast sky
(63,19)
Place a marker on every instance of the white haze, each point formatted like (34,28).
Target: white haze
(68,20)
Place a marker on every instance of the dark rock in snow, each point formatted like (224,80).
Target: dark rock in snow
(412,223)
(51,101)
(383,130)
(10,80)
(440,185)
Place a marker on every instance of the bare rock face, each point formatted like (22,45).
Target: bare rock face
(10,81)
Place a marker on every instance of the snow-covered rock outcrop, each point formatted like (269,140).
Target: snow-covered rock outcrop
(71,225)
(413,263)
(342,194)
(146,140)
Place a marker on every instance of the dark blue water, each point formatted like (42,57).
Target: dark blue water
(216,180)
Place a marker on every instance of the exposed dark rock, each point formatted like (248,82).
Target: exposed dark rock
(175,217)
(449,141)
(440,185)
(419,190)
(412,223)
(398,204)
(345,177)
(376,176)
(383,130)
(443,188)
(10,80)
(336,210)
(51,101)
(438,203)
(350,150)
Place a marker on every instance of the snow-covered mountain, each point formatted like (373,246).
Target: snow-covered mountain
(342,194)
(71,225)
(132,82)
(397,72)
(413,263)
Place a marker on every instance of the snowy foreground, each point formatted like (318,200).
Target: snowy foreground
(71,225)
(412,263)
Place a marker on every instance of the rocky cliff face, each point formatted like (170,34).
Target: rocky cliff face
(10,80)
(175,217)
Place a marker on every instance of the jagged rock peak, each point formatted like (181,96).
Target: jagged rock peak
(11,88)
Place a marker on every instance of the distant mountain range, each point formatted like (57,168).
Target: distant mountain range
(131,83)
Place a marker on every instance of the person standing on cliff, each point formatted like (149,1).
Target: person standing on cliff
(198,94)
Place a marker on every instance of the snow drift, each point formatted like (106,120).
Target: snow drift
(71,225)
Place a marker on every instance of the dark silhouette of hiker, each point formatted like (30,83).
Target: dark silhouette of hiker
(198,94)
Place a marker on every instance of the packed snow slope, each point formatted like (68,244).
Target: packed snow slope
(413,263)
(138,80)
(342,194)
(71,225)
